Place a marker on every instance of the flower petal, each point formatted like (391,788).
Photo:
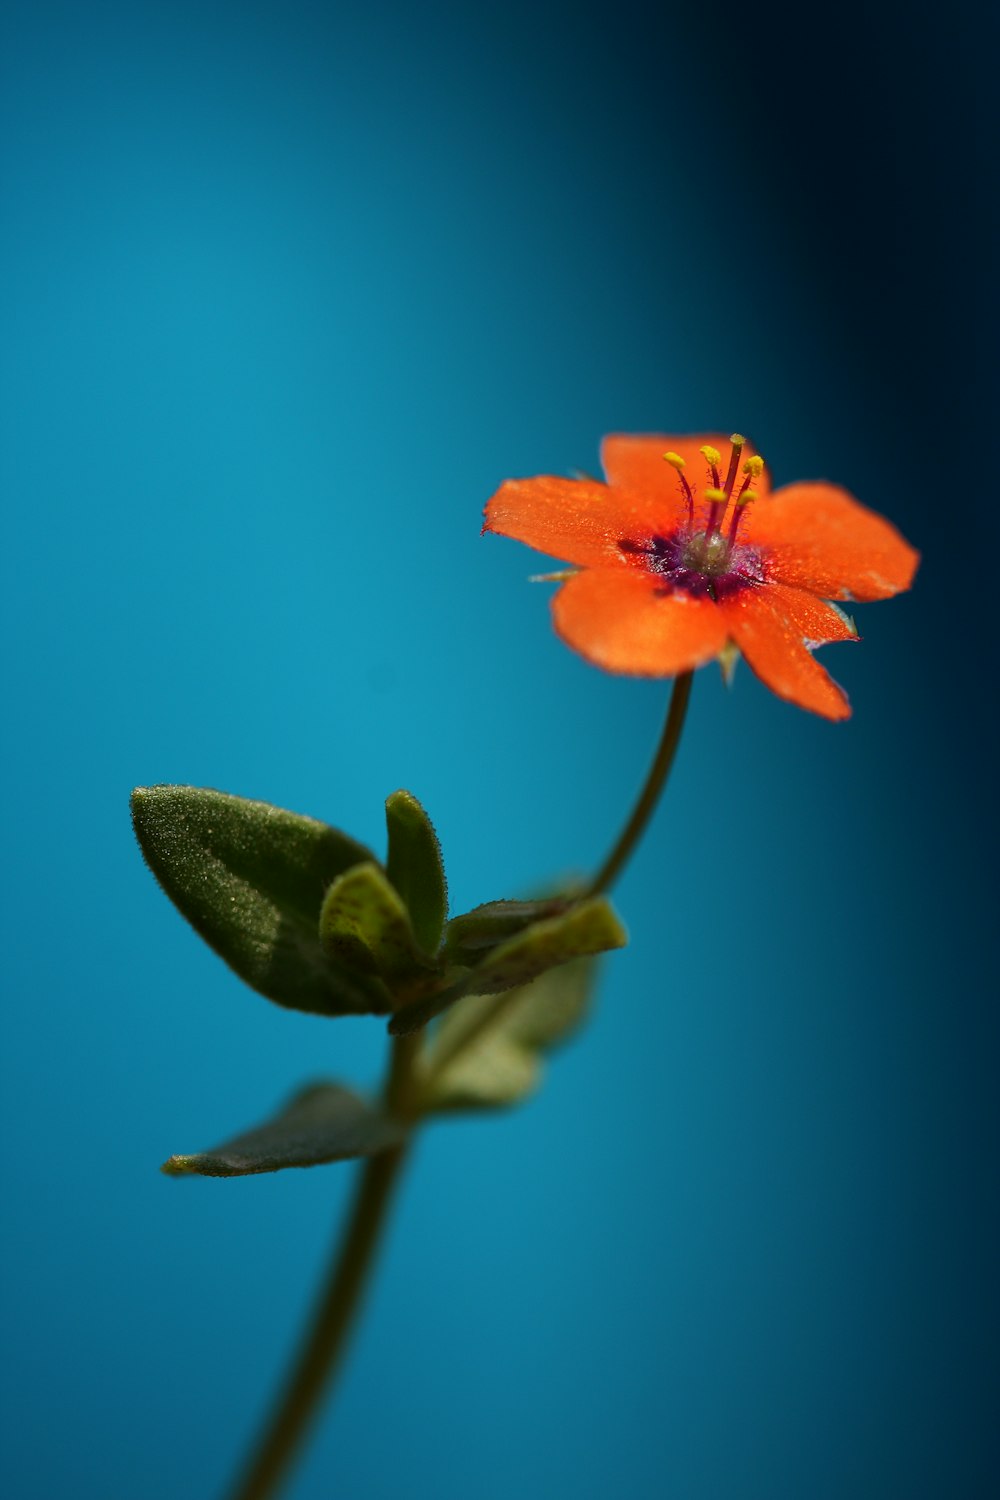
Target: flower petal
(818,537)
(578,520)
(622,621)
(816,621)
(636,463)
(769,625)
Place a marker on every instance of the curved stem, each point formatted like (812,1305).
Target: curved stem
(330,1326)
(654,784)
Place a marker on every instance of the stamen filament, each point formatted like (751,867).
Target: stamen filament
(713,458)
(744,500)
(717,512)
(753,469)
(676,462)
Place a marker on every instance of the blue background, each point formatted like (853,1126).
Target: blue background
(287,291)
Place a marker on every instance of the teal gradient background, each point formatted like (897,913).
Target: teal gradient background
(287,291)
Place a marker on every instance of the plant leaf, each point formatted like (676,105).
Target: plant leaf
(490,1076)
(251,878)
(487,1050)
(587,927)
(364,925)
(323,1123)
(415,867)
(486,926)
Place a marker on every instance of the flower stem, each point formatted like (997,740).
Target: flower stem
(650,794)
(327,1336)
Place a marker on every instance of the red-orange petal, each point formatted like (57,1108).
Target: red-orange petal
(578,520)
(770,625)
(819,537)
(816,621)
(636,463)
(619,620)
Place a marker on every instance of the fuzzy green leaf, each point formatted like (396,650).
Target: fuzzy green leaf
(469,935)
(487,1050)
(323,1123)
(415,867)
(587,927)
(364,925)
(251,878)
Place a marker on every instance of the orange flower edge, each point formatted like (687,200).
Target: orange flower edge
(685,552)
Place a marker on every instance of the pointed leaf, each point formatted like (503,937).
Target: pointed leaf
(321,1124)
(415,867)
(589,926)
(586,927)
(364,925)
(492,1075)
(251,878)
(486,926)
(487,1050)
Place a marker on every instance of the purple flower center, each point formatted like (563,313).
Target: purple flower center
(700,563)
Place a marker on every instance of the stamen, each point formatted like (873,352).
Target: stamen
(739,442)
(713,458)
(753,469)
(743,499)
(676,462)
(717,498)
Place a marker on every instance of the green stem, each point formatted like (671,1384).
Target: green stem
(326,1341)
(490,1015)
(650,794)
(327,1336)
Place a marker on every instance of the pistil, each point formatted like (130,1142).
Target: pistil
(739,442)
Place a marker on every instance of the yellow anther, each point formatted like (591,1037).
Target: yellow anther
(716,496)
(711,454)
(754,466)
(738,440)
(747,498)
(674,459)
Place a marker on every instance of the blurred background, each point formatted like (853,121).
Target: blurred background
(287,291)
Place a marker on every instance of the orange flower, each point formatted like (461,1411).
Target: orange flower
(685,552)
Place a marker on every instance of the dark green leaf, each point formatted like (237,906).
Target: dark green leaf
(364,925)
(587,927)
(251,878)
(487,1049)
(486,926)
(415,867)
(323,1123)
